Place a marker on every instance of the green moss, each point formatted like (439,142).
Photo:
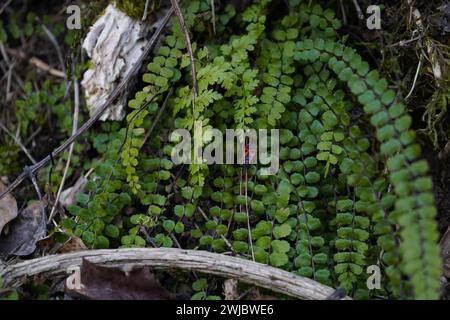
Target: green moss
(133,8)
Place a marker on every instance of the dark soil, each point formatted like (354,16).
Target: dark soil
(440,171)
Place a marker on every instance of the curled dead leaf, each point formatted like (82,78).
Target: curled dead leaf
(25,231)
(104,283)
(8,208)
(68,196)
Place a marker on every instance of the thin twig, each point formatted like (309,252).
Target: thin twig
(147,236)
(3,51)
(213,13)
(248,215)
(53,40)
(32,177)
(76,111)
(187,41)
(175,240)
(8,74)
(344,16)
(144,17)
(4,54)
(415,79)
(9,83)
(358,10)
(99,110)
(5,6)
(222,236)
(142,108)
(403,43)
(158,116)
(17,141)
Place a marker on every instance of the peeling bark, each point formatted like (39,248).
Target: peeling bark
(114,43)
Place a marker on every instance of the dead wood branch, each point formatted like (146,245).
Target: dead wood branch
(200,261)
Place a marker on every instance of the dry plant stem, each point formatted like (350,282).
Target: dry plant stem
(213,15)
(344,16)
(11,65)
(38,63)
(32,177)
(187,41)
(175,240)
(431,50)
(3,7)
(76,112)
(415,79)
(222,236)
(147,236)
(4,55)
(17,141)
(8,72)
(158,116)
(100,110)
(358,10)
(248,215)
(54,42)
(403,43)
(144,17)
(220,265)
(8,84)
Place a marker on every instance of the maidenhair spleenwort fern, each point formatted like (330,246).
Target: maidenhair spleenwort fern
(414,207)
(346,196)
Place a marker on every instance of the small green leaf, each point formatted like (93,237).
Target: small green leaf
(278,259)
(282,231)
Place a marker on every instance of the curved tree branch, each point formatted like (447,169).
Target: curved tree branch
(201,261)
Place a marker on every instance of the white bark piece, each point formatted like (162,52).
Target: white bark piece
(114,43)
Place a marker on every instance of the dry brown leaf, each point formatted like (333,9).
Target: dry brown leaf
(72,245)
(8,208)
(49,244)
(445,251)
(103,283)
(25,231)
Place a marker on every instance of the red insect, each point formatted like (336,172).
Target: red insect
(250,150)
